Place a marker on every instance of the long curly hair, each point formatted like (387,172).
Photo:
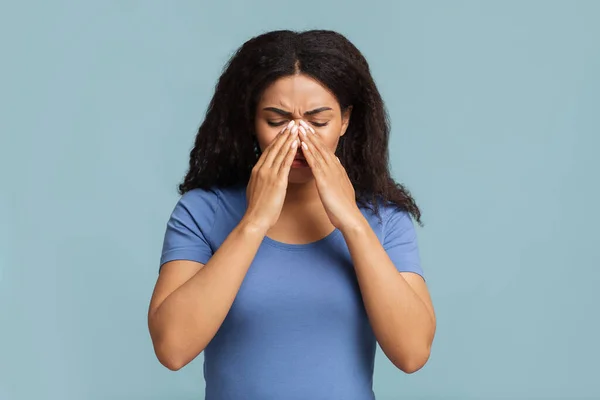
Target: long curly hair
(224,151)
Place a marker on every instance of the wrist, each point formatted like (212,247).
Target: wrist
(250,226)
(355,223)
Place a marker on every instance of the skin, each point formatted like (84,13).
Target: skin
(293,205)
(298,98)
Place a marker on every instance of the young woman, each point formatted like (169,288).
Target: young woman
(292,251)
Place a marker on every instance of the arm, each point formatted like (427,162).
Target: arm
(191,300)
(397,303)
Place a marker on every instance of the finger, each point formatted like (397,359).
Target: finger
(283,151)
(275,146)
(286,165)
(306,126)
(318,153)
(338,162)
(313,163)
(265,153)
(323,151)
(344,172)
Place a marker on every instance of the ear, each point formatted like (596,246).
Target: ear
(345,119)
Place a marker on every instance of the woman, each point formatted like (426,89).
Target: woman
(292,251)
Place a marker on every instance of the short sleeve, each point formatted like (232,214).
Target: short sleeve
(187,235)
(400,241)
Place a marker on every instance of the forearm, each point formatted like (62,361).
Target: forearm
(402,322)
(187,320)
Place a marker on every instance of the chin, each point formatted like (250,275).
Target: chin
(300,175)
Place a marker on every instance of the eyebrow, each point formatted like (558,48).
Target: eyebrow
(289,114)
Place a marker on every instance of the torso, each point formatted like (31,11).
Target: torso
(298,328)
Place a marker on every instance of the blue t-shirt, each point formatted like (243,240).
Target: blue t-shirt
(298,328)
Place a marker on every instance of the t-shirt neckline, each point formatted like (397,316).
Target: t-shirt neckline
(302,246)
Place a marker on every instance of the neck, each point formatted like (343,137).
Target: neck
(301,195)
(303,211)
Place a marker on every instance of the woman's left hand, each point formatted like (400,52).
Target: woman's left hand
(334,186)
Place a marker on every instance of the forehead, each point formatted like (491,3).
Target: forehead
(298,92)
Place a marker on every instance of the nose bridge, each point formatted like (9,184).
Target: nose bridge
(297,112)
(297,97)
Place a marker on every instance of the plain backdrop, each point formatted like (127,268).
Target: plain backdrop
(495,110)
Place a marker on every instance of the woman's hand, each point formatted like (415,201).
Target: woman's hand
(335,189)
(269,179)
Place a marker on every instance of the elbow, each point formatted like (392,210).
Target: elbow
(413,357)
(174,347)
(171,363)
(170,360)
(171,354)
(170,357)
(410,367)
(413,361)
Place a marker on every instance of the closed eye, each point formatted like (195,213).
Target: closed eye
(281,123)
(274,123)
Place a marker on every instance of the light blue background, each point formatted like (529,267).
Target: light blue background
(495,111)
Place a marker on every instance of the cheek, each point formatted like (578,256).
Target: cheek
(265,135)
(330,136)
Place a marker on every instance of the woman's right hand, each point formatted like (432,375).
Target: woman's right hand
(269,179)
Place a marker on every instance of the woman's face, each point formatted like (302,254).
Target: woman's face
(300,97)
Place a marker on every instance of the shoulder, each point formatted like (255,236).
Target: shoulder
(396,230)
(396,219)
(200,199)
(197,206)
(211,207)
(389,217)
(211,199)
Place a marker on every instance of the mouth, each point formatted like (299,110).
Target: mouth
(299,161)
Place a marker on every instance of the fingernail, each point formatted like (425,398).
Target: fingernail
(304,124)
(294,144)
(304,146)
(290,124)
(294,129)
(303,130)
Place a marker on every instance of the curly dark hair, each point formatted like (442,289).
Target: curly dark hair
(224,151)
